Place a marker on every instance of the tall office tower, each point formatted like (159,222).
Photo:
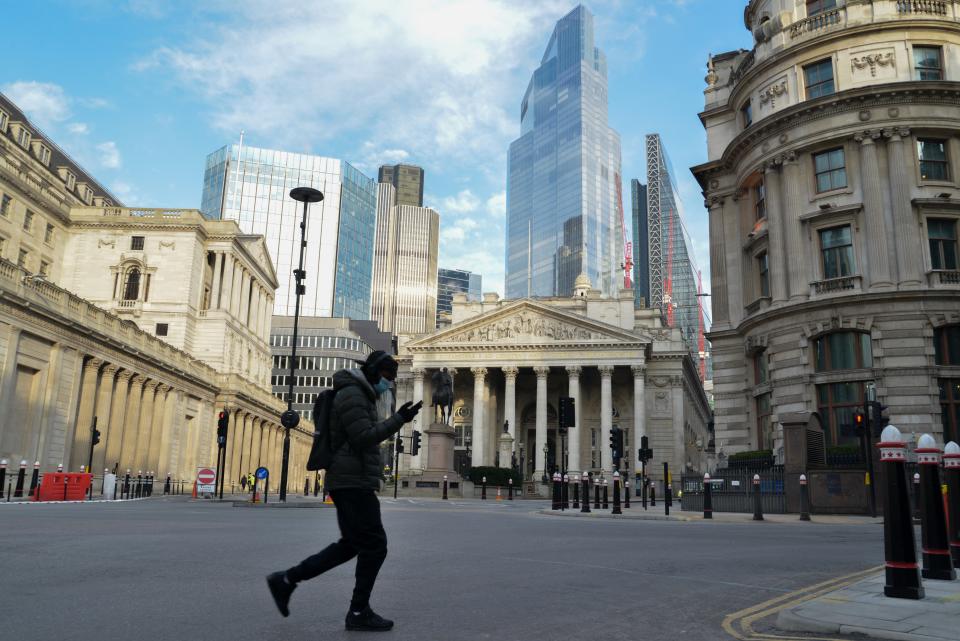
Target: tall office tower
(405,265)
(564,205)
(407,180)
(456,281)
(252,186)
(641,252)
(674,279)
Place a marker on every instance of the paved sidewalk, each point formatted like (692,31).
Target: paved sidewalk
(862,608)
(658,514)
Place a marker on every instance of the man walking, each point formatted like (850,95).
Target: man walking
(353,478)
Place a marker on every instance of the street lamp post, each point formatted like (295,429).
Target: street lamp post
(291,419)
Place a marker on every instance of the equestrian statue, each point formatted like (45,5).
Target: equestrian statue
(442,396)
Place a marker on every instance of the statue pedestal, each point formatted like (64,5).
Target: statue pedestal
(439,464)
(506,450)
(440,448)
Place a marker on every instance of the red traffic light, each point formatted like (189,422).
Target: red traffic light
(221,415)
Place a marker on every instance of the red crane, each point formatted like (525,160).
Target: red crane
(627,243)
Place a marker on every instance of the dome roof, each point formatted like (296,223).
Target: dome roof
(582,282)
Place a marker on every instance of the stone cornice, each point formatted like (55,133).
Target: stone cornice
(898,93)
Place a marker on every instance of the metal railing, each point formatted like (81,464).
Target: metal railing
(818,22)
(936,7)
(732,491)
(831,285)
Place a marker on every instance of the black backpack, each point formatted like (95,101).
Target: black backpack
(321,452)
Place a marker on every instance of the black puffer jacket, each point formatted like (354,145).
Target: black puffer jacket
(356,433)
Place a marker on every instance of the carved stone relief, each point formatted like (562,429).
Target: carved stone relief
(773,92)
(876,64)
(524,326)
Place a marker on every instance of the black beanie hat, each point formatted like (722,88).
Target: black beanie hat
(377,360)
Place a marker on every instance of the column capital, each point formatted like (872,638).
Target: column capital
(638,370)
(110,369)
(541,371)
(574,371)
(163,388)
(868,137)
(606,371)
(137,379)
(896,134)
(418,372)
(479,372)
(150,384)
(124,375)
(93,364)
(510,371)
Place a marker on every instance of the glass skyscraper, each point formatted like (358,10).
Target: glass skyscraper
(456,281)
(563,178)
(252,186)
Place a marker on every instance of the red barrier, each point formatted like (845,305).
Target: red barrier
(52,486)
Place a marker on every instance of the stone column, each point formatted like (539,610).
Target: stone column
(245,298)
(236,288)
(237,448)
(118,413)
(876,271)
(906,228)
(732,237)
(255,452)
(718,263)
(128,455)
(480,436)
(226,294)
(510,401)
(249,464)
(162,430)
(217,275)
(606,418)
(145,424)
(541,434)
(795,250)
(575,435)
(775,224)
(104,401)
(422,420)
(81,432)
(639,412)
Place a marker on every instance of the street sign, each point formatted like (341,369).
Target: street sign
(206,480)
(262,473)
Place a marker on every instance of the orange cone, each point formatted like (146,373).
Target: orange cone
(499,498)
(328,500)
(194,489)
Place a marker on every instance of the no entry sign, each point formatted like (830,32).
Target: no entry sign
(206,479)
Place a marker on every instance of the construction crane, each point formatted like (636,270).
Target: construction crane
(627,243)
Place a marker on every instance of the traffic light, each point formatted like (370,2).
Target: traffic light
(644,454)
(616,443)
(415,443)
(567,416)
(859,421)
(399,444)
(96,436)
(222,421)
(877,419)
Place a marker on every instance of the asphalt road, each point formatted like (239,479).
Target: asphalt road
(169,569)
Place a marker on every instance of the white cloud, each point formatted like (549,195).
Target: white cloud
(497,204)
(109,154)
(43,102)
(78,128)
(463,202)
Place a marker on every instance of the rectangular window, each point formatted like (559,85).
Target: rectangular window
(23,138)
(819,79)
(28,220)
(950,408)
(830,168)
(760,199)
(763,269)
(22,259)
(837,402)
(928,63)
(136,242)
(761,373)
(933,159)
(764,427)
(44,154)
(820,6)
(836,247)
(747,112)
(71,181)
(48,234)
(5,201)
(44,268)
(3,246)
(943,243)
(4,118)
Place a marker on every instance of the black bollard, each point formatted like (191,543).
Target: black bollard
(139,483)
(306,487)
(166,486)
(444,487)
(555,493)
(804,499)
(707,497)
(643,490)
(616,494)
(606,500)
(576,491)
(951,474)
(626,491)
(483,489)
(9,488)
(900,549)
(585,489)
(35,478)
(565,493)
(653,494)
(510,489)
(933,520)
(596,494)
(667,499)
(21,477)
(757,499)
(125,491)
(3,474)
(66,484)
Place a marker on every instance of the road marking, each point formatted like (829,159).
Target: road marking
(748,616)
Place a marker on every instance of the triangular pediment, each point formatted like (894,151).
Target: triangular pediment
(256,248)
(528,322)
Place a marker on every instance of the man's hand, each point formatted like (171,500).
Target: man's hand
(408,411)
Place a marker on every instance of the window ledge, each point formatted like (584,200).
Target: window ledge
(755,237)
(831,194)
(841,285)
(829,212)
(758,305)
(134,307)
(943,278)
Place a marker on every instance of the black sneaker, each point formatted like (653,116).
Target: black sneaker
(281,591)
(368,621)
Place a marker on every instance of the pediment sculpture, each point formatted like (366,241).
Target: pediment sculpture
(524,326)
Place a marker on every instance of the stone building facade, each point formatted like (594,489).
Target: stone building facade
(152,321)
(511,360)
(833,188)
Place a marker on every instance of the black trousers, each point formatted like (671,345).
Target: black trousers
(361,536)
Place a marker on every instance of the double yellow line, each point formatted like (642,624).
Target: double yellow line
(739,625)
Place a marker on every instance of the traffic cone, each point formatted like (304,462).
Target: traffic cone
(499,498)
(194,495)
(328,500)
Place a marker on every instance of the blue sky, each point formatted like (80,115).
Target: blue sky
(139,92)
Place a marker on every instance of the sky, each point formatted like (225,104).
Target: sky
(140,91)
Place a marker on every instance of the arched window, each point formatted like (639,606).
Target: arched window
(843,350)
(131,286)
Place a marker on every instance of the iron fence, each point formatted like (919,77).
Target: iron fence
(732,490)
